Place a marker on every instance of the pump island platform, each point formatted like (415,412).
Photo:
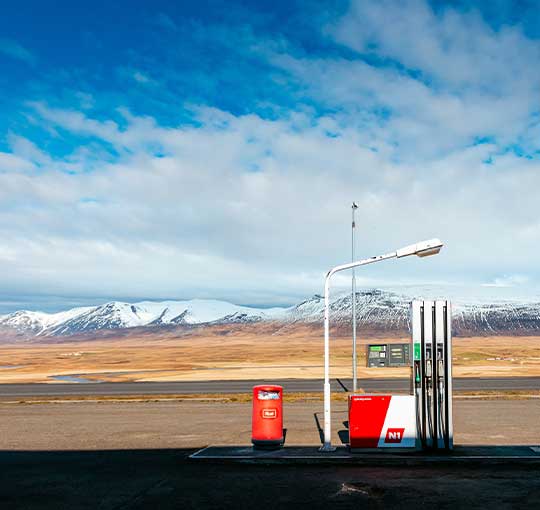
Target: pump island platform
(470,455)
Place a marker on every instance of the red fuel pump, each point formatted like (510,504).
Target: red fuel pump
(267,416)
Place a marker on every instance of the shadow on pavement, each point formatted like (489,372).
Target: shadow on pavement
(344,433)
(319,428)
(167,479)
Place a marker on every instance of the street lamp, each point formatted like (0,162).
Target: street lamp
(354,207)
(422,249)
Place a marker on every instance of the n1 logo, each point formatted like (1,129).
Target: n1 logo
(394,435)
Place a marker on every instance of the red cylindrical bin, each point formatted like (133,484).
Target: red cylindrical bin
(267,416)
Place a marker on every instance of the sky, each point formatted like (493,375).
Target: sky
(212,149)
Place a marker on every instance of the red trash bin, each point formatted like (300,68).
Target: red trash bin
(267,416)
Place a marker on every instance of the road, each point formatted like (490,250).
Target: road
(290,385)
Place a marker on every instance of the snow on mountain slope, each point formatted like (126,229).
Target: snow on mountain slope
(372,307)
(196,311)
(38,322)
(389,311)
(118,315)
(113,315)
(382,310)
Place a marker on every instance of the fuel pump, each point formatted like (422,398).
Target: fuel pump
(443,318)
(432,373)
(423,419)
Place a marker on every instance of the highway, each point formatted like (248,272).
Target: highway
(224,387)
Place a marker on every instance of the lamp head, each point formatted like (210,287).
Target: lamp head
(421,249)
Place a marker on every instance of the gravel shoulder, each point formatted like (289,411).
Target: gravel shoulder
(190,424)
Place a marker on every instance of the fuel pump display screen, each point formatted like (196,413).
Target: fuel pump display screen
(388,355)
(399,355)
(377,355)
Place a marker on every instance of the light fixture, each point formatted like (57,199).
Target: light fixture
(421,249)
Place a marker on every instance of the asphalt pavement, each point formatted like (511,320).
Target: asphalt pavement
(168,480)
(245,386)
(134,456)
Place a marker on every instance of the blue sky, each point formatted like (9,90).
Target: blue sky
(212,149)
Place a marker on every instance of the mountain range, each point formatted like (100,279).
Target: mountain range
(383,311)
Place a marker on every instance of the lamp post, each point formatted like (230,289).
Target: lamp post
(354,207)
(422,249)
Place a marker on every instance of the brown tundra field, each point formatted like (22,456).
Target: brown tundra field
(240,352)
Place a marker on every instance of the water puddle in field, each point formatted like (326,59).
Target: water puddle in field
(255,366)
(132,372)
(75,378)
(81,379)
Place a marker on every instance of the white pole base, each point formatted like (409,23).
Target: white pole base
(327,448)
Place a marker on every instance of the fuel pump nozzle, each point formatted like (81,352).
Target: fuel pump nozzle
(440,384)
(429,370)
(429,394)
(417,379)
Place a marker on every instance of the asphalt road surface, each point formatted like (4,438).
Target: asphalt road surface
(290,385)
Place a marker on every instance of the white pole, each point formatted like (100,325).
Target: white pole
(354,357)
(327,444)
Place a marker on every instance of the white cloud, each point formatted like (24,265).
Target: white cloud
(140,77)
(443,80)
(251,209)
(13,49)
(10,162)
(203,220)
(508,281)
(86,100)
(165,21)
(457,49)
(28,150)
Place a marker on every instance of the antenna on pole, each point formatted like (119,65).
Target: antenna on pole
(353,301)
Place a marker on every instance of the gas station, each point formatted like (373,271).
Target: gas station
(417,422)
(382,428)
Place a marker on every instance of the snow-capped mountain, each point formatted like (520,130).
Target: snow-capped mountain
(385,311)
(118,315)
(37,322)
(388,311)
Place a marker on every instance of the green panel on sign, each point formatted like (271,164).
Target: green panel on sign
(375,347)
(416,351)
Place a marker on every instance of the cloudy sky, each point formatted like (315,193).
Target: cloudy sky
(212,149)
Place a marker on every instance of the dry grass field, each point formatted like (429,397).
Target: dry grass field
(240,352)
